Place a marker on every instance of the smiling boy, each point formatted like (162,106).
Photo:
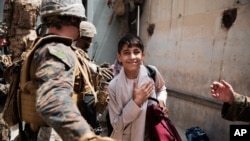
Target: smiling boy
(130,89)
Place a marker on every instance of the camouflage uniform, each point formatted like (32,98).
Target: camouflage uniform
(95,74)
(21,18)
(101,74)
(239,110)
(64,116)
(4,129)
(3,48)
(51,76)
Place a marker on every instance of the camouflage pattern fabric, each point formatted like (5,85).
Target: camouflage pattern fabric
(83,58)
(54,102)
(239,110)
(86,92)
(54,97)
(4,129)
(21,18)
(102,96)
(3,29)
(20,43)
(104,76)
(6,60)
(4,89)
(99,78)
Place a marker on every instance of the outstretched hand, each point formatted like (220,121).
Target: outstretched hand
(222,91)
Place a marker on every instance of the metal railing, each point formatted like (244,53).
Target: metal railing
(194,98)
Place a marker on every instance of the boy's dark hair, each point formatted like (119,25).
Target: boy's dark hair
(130,40)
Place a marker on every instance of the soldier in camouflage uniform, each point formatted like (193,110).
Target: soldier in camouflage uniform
(52,75)
(99,76)
(236,106)
(21,17)
(87,33)
(4,53)
(4,130)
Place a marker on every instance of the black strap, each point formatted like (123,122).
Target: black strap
(154,99)
(151,72)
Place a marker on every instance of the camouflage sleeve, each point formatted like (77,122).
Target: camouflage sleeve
(239,110)
(55,65)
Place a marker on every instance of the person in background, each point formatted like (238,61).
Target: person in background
(236,107)
(4,62)
(21,18)
(128,18)
(5,57)
(116,67)
(98,76)
(130,89)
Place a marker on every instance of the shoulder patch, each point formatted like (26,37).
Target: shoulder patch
(62,54)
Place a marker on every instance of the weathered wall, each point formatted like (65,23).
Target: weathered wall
(105,42)
(191,48)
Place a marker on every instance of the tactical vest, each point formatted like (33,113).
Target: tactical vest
(28,88)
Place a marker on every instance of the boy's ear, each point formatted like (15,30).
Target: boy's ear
(143,55)
(118,56)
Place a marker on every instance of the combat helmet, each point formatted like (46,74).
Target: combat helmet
(87,29)
(3,29)
(62,7)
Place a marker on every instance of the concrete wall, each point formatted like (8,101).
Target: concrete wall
(191,48)
(105,42)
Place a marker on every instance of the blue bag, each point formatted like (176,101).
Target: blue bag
(196,134)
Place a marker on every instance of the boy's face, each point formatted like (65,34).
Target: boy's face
(130,57)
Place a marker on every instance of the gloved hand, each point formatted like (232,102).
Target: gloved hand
(106,73)
(105,65)
(102,97)
(6,60)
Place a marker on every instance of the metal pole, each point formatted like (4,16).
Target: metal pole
(138,20)
(2,9)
